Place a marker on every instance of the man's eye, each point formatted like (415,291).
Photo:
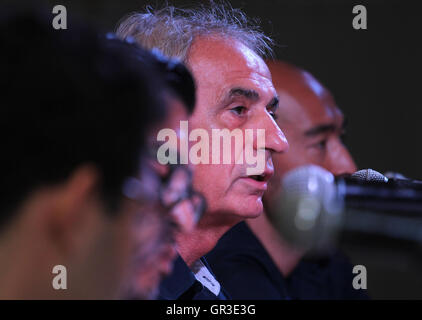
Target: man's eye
(274,115)
(239,110)
(321,145)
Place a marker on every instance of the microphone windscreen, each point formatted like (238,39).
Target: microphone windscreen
(307,210)
(369,175)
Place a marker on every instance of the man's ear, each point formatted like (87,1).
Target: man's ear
(76,212)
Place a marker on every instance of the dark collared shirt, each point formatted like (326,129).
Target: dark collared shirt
(181,284)
(246,271)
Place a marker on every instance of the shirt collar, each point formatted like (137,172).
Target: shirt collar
(178,281)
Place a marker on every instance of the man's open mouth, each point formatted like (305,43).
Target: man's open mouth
(261,177)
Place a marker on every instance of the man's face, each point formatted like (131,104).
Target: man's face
(312,122)
(234,90)
(155,252)
(184,213)
(168,205)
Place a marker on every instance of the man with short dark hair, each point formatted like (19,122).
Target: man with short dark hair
(170,205)
(75,112)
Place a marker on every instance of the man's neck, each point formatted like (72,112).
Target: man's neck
(202,240)
(284,256)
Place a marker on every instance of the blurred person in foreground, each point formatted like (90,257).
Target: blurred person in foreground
(165,189)
(76,111)
(252,260)
(224,51)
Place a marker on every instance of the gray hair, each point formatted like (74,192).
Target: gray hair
(173,30)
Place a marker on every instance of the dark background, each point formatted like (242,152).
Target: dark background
(375,76)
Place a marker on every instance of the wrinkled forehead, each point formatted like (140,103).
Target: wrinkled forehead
(221,61)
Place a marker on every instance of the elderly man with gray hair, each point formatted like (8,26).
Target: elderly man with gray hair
(224,51)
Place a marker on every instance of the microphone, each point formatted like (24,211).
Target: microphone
(314,207)
(368,175)
(370,190)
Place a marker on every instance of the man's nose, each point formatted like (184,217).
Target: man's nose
(340,161)
(275,140)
